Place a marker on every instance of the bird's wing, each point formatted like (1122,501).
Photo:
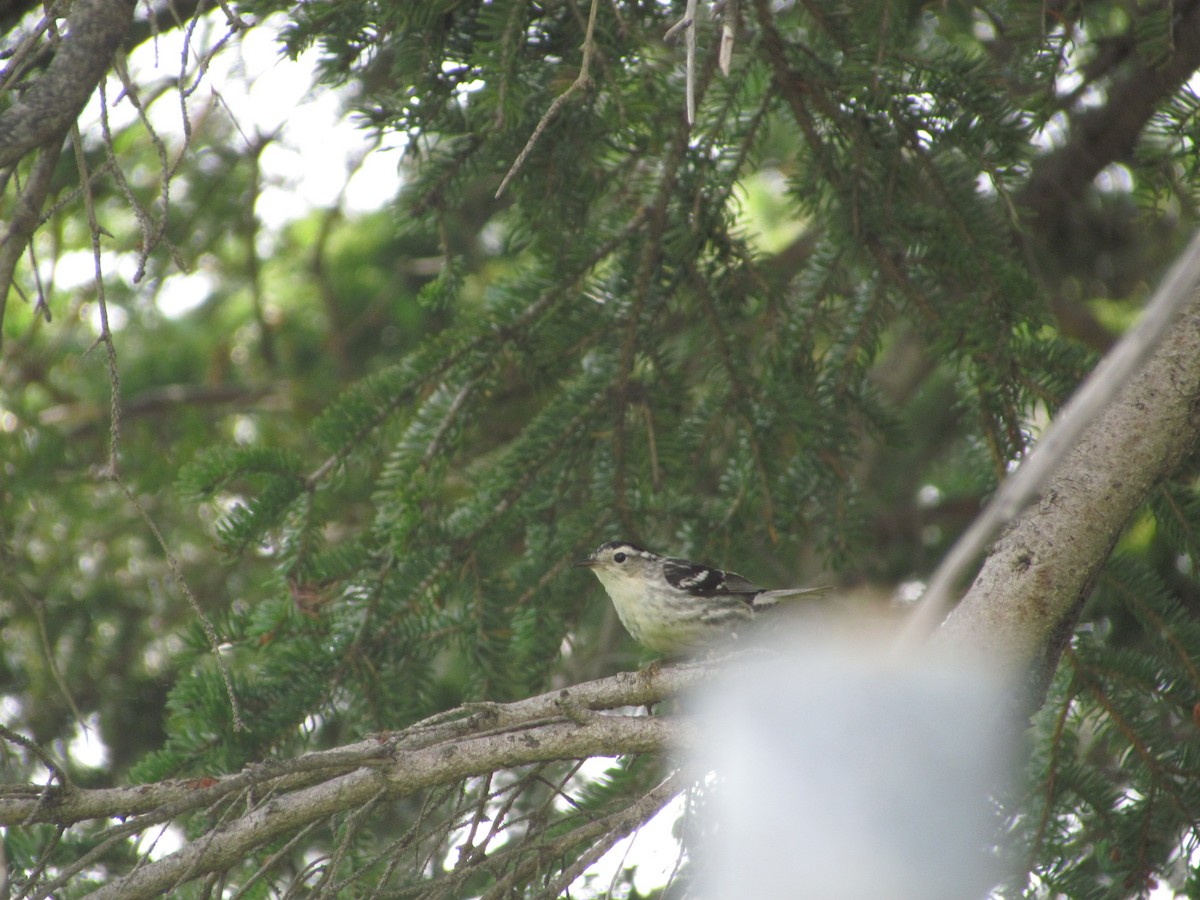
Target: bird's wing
(705,580)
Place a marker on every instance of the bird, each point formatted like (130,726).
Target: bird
(674,606)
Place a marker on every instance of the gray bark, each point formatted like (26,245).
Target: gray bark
(49,105)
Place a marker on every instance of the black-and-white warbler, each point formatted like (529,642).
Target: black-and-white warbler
(672,605)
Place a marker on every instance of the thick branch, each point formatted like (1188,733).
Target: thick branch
(410,771)
(1097,393)
(1110,132)
(450,733)
(474,740)
(47,107)
(1024,602)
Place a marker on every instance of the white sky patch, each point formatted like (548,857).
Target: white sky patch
(245,430)
(117,317)
(156,843)
(184,292)
(69,270)
(928,496)
(1114,178)
(10,709)
(85,747)
(318,146)
(652,850)
(1054,133)
(318,156)
(983,28)
(76,268)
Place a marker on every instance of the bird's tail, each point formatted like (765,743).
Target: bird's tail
(770,598)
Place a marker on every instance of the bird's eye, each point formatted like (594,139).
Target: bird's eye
(619,557)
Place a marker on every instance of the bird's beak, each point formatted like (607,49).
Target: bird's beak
(587,563)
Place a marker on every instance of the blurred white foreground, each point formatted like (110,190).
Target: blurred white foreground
(847,769)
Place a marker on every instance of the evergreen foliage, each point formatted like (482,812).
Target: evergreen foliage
(805,335)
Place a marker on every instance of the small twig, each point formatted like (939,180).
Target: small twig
(582,81)
(282,853)
(26,49)
(673,32)
(689,43)
(467,847)
(39,614)
(34,875)
(729,14)
(153,233)
(24,218)
(44,758)
(177,573)
(105,338)
(621,826)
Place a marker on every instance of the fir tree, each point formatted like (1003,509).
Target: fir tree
(806,333)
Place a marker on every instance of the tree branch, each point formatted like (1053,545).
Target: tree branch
(49,105)
(1098,393)
(451,731)
(1026,599)
(1060,178)
(406,773)
(472,740)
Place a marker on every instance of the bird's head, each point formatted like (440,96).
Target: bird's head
(617,562)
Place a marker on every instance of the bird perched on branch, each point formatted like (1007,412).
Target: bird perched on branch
(673,606)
